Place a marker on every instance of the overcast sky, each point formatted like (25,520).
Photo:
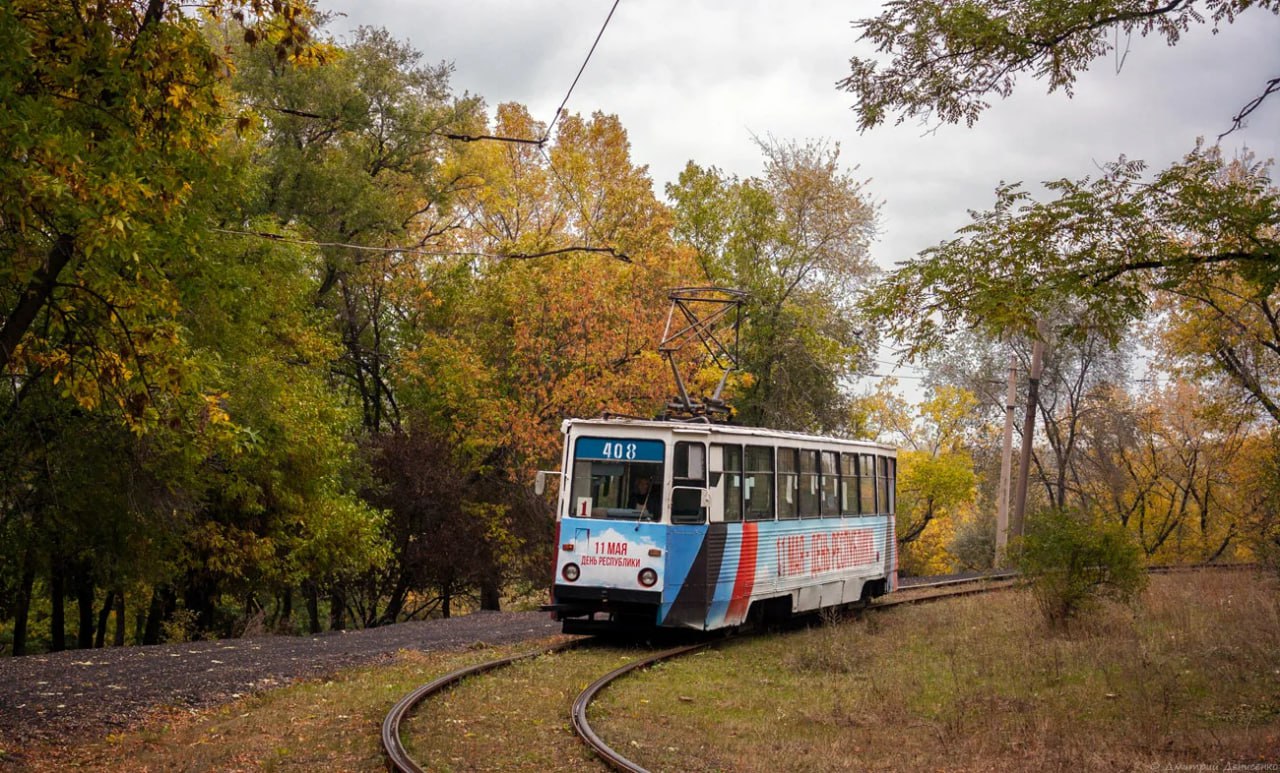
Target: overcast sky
(695,80)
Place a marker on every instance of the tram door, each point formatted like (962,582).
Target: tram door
(689,498)
(715,481)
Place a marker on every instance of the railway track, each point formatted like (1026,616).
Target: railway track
(400,760)
(940,589)
(398,757)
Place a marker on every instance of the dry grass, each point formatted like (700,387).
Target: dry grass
(515,720)
(331,725)
(1191,675)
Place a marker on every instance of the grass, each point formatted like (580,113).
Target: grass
(1188,676)
(517,719)
(331,725)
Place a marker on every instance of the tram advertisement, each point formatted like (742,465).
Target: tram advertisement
(611,557)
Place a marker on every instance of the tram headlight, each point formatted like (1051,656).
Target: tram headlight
(570,572)
(648,578)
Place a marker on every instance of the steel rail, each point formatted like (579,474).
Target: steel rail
(398,758)
(578,715)
(1006,575)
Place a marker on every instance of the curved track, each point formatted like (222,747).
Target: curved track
(618,762)
(398,758)
(579,713)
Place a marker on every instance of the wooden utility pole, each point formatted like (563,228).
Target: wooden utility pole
(1006,464)
(1017,522)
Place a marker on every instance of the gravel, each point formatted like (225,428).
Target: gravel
(87,693)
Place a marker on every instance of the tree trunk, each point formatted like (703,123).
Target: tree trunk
(119,640)
(33,298)
(491,595)
(337,611)
(395,605)
(103,618)
(313,606)
(446,598)
(58,619)
(198,596)
(163,601)
(83,580)
(22,606)
(284,621)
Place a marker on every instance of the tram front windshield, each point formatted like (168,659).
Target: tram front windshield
(615,478)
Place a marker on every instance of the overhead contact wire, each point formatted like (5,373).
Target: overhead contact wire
(581,69)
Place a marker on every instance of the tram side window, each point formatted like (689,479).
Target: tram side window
(893,486)
(732,478)
(830,484)
(808,484)
(689,481)
(882,483)
(849,484)
(867,484)
(758,483)
(788,485)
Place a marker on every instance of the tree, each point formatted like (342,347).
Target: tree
(109,116)
(1073,564)
(796,241)
(1104,247)
(1176,467)
(355,166)
(556,312)
(1221,324)
(936,483)
(356,158)
(120,408)
(949,59)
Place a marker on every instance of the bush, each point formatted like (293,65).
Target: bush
(1073,564)
(974,546)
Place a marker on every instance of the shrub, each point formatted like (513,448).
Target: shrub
(974,546)
(1074,563)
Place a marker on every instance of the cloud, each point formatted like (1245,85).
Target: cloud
(695,81)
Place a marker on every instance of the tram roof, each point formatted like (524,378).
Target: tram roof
(693,427)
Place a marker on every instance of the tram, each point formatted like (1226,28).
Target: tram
(682,524)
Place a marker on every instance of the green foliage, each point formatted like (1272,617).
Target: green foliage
(352,155)
(1102,246)
(1074,563)
(110,120)
(974,544)
(950,58)
(796,241)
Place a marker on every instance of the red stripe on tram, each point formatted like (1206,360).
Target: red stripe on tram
(745,581)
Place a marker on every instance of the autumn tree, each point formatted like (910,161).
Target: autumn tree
(1196,241)
(796,240)
(948,60)
(557,313)
(356,159)
(355,168)
(1103,245)
(109,115)
(171,449)
(936,483)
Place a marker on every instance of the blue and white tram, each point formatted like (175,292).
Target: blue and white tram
(703,526)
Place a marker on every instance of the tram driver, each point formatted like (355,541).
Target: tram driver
(644,495)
